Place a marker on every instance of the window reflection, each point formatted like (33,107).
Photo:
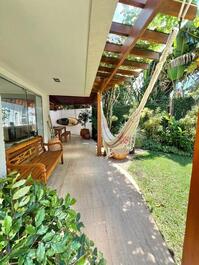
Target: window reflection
(19,113)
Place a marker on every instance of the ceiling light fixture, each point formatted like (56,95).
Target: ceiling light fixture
(56,79)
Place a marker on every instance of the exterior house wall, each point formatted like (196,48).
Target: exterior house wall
(2,147)
(45,105)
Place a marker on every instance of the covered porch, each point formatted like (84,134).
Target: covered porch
(79,70)
(115,216)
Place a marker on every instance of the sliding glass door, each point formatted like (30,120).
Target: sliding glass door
(21,113)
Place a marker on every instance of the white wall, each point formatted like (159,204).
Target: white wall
(67,113)
(2,147)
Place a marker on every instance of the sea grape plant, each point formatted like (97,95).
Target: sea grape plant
(38,227)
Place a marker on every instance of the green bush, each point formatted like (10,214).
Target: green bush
(139,139)
(161,132)
(182,105)
(37,227)
(174,135)
(188,123)
(149,144)
(151,123)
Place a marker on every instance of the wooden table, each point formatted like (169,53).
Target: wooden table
(61,132)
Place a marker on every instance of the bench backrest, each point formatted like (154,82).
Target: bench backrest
(25,151)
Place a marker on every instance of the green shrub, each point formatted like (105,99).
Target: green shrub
(37,227)
(182,105)
(140,139)
(188,123)
(174,135)
(152,145)
(161,132)
(151,123)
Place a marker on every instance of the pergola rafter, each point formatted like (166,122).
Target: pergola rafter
(146,15)
(134,33)
(167,7)
(145,53)
(130,63)
(149,35)
(120,71)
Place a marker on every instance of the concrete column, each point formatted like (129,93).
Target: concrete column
(99,124)
(46,113)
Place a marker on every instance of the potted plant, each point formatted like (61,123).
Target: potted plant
(38,227)
(83,119)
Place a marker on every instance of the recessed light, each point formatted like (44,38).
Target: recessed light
(56,79)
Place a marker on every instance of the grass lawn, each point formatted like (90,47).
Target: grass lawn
(164,180)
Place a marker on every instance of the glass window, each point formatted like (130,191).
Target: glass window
(21,113)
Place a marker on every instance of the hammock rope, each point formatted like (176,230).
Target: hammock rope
(122,142)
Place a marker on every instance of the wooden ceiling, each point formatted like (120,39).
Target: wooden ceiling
(115,70)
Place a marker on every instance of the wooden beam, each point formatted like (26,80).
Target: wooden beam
(130,63)
(144,53)
(136,3)
(99,124)
(146,16)
(149,35)
(120,71)
(105,75)
(191,241)
(168,7)
(172,8)
(112,47)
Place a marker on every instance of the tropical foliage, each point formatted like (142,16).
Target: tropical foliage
(37,227)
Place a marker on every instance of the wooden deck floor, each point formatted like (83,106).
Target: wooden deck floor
(113,211)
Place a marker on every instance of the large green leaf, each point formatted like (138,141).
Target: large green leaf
(7,224)
(19,183)
(176,73)
(3,244)
(15,228)
(82,261)
(24,201)
(40,253)
(30,229)
(48,236)
(21,192)
(42,230)
(40,217)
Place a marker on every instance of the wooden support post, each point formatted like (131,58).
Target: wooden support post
(191,240)
(99,125)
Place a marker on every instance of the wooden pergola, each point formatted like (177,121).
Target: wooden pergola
(112,74)
(117,68)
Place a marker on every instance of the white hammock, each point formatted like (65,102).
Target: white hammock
(123,141)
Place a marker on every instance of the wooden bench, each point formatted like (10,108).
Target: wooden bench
(34,157)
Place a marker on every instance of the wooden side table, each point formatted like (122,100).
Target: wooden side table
(66,134)
(61,132)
